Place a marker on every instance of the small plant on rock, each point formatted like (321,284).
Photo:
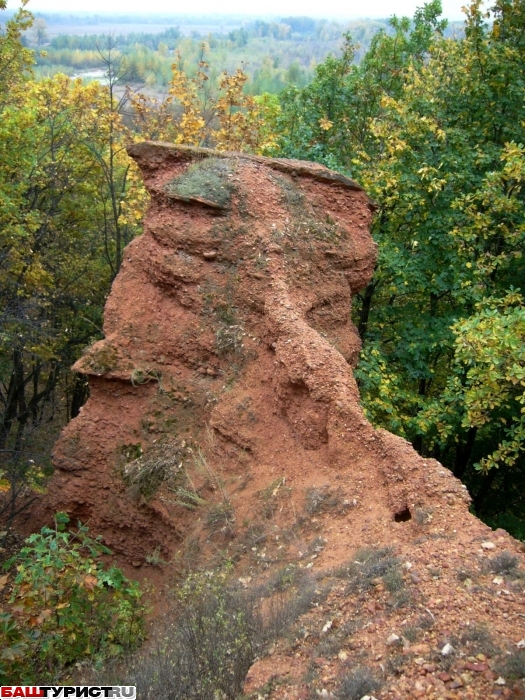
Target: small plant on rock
(358,683)
(369,565)
(476,639)
(320,500)
(221,517)
(513,667)
(504,563)
(160,464)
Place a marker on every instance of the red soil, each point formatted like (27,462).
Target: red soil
(228,357)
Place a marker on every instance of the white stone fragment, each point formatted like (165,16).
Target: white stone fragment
(447,649)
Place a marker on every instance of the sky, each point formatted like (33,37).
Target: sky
(312,8)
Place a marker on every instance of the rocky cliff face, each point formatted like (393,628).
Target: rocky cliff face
(228,335)
(223,402)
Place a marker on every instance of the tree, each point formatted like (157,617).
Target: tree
(432,128)
(40,31)
(63,226)
(199,112)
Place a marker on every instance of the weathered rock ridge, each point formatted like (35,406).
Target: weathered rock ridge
(228,335)
(224,424)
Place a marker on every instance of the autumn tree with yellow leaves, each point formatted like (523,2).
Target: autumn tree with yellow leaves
(197,112)
(70,201)
(63,179)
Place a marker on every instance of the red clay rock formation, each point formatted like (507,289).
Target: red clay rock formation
(230,317)
(224,419)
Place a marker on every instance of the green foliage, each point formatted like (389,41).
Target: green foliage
(65,606)
(66,212)
(509,522)
(433,128)
(487,385)
(215,631)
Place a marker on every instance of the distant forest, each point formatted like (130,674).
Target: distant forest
(275,53)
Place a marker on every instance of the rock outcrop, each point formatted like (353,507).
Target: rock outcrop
(229,323)
(224,420)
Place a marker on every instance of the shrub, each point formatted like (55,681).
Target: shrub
(513,667)
(65,606)
(358,683)
(320,500)
(369,565)
(221,517)
(145,474)
(212,636)
(503,563)
(476,639)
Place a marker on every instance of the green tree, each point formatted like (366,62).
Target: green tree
(40,31)
(64,176)
(433,128)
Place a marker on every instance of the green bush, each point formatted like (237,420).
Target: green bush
(64,606)
(212,635)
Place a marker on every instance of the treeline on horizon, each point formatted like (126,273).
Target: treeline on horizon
(274,53)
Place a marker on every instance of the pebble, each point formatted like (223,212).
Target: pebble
(477,667)
(418,649)
(488,545)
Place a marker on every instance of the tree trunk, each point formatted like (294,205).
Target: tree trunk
(80,394)
(364,314)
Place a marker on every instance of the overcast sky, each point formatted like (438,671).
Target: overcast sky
(312,8)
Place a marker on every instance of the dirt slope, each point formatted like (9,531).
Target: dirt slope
(224,422)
